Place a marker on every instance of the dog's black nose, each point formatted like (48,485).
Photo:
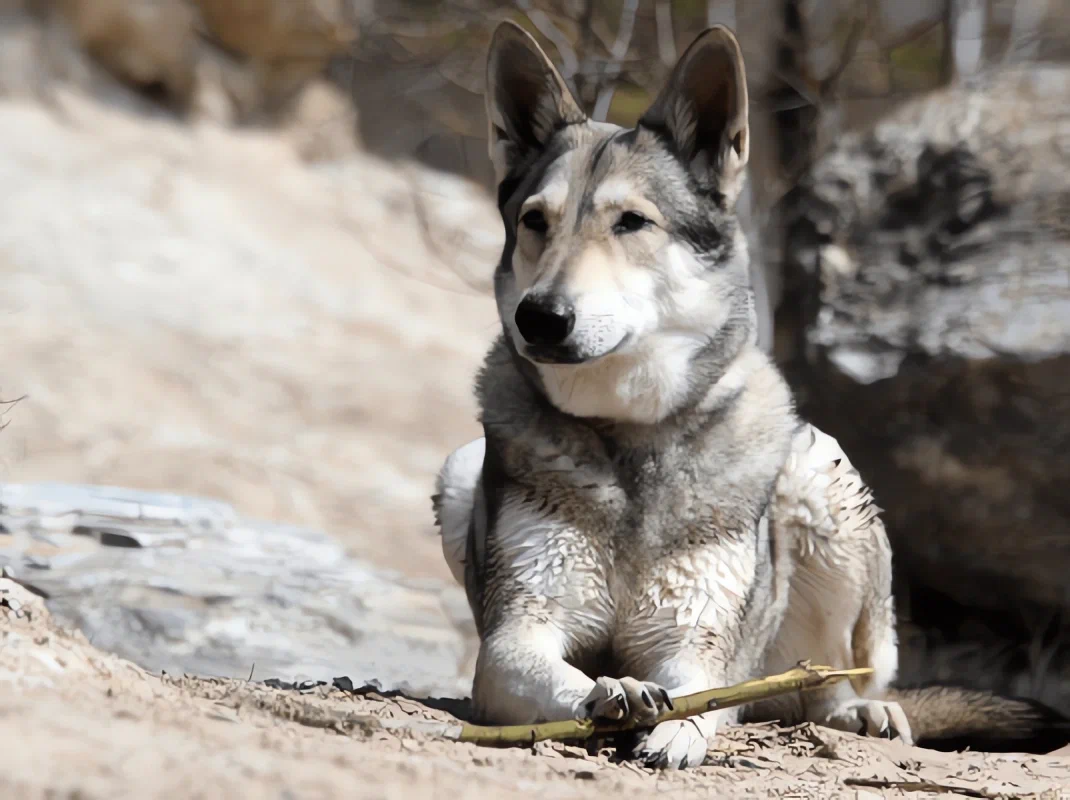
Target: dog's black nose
(544,320)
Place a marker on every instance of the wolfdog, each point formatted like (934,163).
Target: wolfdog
(645,515)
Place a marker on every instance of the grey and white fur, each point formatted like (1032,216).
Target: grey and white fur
(645,516)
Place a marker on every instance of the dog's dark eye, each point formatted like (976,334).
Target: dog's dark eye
(630,222)
(535,221)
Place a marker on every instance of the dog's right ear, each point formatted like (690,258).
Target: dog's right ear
(527,99)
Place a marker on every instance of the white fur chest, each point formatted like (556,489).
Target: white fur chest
(682,598)
(554,552)
(605,590)
(698,587)
(635,572)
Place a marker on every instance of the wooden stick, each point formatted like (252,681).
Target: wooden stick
(800,678)
(923,786)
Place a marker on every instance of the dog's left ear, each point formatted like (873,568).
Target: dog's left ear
(527,99)
(703,111)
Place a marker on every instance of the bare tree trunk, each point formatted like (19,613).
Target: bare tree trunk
(1026,30)
(586,82)
(967,34)
(544,25)
(666,33)
(721,11)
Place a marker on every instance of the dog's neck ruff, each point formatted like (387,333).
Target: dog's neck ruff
(675,383)
(668,376)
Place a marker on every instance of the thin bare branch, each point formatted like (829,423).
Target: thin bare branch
(617,53)
(800,678)
(666,35)
(921,786)
(722,11)
(850,48)
(7,405)
(544,25)
(1026,30)
(968,36)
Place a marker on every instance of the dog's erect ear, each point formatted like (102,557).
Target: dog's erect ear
(527,99)
(703,110)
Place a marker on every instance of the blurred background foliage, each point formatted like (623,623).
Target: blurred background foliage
(413,69)
(848,62)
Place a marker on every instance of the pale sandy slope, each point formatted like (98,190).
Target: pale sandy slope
(196,310)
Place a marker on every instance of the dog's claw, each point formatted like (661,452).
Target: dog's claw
(874,718)
(667,699)
(621,699)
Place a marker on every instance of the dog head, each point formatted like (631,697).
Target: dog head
(624,268)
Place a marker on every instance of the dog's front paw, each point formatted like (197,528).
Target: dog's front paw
(616,700)
(875,718)
(675,744)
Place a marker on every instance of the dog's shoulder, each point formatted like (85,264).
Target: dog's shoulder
(821,500)
(454,502)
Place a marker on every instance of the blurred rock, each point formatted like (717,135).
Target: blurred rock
(20,52)
(306,333)
(309,31)
(151,44)
(927,326)
(322,123)
(228,91)
(226,61)
(286,43)
(183,584)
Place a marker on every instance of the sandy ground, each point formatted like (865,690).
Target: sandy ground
(78,723)
(196,310)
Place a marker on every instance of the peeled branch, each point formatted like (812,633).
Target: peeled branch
(800,678)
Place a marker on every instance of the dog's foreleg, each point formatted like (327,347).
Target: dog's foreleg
(680,743)
(522,677)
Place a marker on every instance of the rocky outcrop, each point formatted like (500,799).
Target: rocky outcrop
(150,44)
(283,45)
(926,325)
(276,31)
(184,585)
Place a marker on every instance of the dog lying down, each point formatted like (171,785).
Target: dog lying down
(646,516)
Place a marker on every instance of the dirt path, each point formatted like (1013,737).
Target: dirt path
(76,722)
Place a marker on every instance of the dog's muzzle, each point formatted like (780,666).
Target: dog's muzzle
(544,321)
(547,325)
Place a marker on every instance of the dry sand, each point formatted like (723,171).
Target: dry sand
(78,723)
